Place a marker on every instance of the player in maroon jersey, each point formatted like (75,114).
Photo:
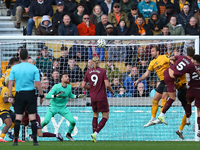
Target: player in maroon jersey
(193,92)
(182,65)
(98,80)
(25,122)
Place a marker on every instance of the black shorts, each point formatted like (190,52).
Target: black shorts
(162,87)
(182,97)
(28,99)
(4,114)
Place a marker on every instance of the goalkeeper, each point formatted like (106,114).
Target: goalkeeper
(59,97)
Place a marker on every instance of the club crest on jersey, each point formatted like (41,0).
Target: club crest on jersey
(5,94)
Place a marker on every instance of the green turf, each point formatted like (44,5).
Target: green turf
(103,145)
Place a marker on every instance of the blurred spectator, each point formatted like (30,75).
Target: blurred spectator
(174,28)
(126,5)
(46,27)
(184,16)
(131,50)
(54,78)
(154,43)
(31,61)
(117,52)
(192,28)
(44,61)
(95,17)
(38,8)
(195,5)
(101,26)
(45,85)
(78,51)
(185,45)
(55,66)
(93,50)
(67,28)
(165,31)
(8,7)
(86,28)
(140,28)
(169,11)
(112,70)
(116,84)
(107,6)
(122,92)
(162,4)
(178,5)
(116,14)
(197,16)
(63,58)
(76,90)
(70,6)
(155,23)
(80,12)
(169,49)
(131,78)
(88,66)
(140,92)
(74,71)
(146,7)
(89,5)
(20,7)
(109,30)
(128,67)
(143,65)
(121,28)
(132,16)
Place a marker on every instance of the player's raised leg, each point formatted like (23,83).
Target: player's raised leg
(47,118)
(8,123)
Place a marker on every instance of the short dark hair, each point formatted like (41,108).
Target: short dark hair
(56,59)
(190,52)
(127,63)
(13,60)
(19,48)
(23,54)
(165,27)
(55,71)
(197,58)
(65,73)
(157,48)
(64,48)
(80,4)
(140,16)
(173,16)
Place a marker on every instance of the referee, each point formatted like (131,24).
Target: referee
(25,74)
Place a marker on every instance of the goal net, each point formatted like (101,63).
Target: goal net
(125,59)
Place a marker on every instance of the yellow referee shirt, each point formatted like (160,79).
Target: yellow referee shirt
(159,64)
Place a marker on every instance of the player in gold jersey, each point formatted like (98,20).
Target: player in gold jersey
(159,64)
(13,61)
(5,113)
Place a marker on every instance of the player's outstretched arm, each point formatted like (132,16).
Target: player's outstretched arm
(85,85)
(144,76)
(109,87)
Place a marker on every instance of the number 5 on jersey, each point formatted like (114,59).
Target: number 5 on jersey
(94,79)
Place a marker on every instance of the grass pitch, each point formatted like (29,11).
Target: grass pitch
(103,145)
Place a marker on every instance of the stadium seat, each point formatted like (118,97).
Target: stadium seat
(82,64)
(38,20)
(3,66)
(72,84)
(146,20)
(54,8)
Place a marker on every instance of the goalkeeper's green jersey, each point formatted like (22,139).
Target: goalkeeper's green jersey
(63,98)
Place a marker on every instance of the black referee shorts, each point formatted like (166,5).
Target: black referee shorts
(162,87)
(4,114)
(25,98)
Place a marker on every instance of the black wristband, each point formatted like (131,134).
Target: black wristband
(42,96)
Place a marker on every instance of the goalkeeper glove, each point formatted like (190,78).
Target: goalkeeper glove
(57,95)
(81,96)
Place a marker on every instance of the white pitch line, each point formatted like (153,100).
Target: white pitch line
(119,111)
(86,111)
(138,111)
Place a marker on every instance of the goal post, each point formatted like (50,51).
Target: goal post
(128,114)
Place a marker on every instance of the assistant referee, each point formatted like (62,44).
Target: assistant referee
(25,74)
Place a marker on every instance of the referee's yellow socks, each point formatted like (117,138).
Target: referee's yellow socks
(154,108)
(163,101)
(2,135)
(183,123)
